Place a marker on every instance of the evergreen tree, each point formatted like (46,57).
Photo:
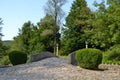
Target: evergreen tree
(36,44)
(113,17)
(3,49)
(100,29)
(26,35)
(22,41)
(76,27)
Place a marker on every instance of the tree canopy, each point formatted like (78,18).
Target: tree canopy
(99,28)
(54,9)
(77,24)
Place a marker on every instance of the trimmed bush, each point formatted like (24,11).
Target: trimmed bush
(112,56)
(89,58)
(17,57)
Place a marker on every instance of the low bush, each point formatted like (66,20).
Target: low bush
(17,57)
(89,58)
(5,60)
(112,56)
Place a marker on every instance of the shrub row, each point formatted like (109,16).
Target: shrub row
(86,58)
(91,58)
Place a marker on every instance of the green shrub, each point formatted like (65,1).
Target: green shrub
(112,56)
(17,57)
(89,58)
(5,60)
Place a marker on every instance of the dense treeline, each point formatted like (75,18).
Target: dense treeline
(99,28)
(44,36)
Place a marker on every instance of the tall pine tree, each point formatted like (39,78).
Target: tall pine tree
(77,24)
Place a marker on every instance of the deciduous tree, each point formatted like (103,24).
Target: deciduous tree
(54,8)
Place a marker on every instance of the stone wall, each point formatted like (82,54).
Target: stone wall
(40,56)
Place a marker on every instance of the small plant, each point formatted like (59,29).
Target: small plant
(17,57)
(112,56)
(5,60)
(89,58)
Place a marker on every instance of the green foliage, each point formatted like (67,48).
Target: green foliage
(112,56)
(66,57)
(53,8)
(100,28)
(106,25)
(5,60)
(25,35)
(17,44)
(71,45)
(76,28)
(48,32)
(3,49)
(39,47)
(33,39)
(89,58)
(43,35)
(21,42)
(17,57)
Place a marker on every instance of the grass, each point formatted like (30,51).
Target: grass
(63,56)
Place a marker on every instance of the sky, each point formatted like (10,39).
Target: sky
(15,13)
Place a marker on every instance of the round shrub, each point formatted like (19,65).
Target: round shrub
(89,58)
(17,57)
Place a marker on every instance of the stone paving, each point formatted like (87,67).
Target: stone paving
(58,69)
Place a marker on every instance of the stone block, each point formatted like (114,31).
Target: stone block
(40,56)
(72,59)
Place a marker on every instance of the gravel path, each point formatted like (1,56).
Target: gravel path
(57,69)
